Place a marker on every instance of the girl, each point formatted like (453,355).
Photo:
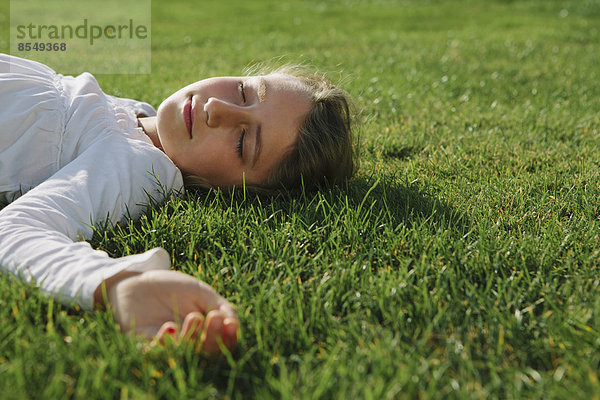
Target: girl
(72,157)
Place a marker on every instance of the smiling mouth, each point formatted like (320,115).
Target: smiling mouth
(188,115)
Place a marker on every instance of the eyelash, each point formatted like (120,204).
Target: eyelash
(242,91)
(240,144)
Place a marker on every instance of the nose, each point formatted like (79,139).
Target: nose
(223,113)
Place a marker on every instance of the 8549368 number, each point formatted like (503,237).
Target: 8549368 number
(41,46)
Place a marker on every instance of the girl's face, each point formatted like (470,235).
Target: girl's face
(225,129)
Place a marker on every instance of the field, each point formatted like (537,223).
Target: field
(462,261)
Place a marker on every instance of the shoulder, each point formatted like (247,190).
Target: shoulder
(22,66)
(132,163)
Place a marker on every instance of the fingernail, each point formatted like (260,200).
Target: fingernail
(171,331)
(230,328)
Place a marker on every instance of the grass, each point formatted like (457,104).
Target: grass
(462,262)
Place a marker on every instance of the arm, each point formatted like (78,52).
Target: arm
(38,234)
(38,231)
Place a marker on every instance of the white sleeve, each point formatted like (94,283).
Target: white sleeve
(39,231)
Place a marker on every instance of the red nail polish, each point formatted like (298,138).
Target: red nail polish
(171,331)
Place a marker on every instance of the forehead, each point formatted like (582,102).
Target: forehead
(279,85)
(284,107)
(286,82)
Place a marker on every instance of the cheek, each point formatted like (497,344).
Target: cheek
(208,158)
(164,116)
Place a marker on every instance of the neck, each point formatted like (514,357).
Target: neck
(148,124)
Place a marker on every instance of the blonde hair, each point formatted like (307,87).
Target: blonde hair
(323,154)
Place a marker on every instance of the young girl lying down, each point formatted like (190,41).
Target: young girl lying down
(72,157)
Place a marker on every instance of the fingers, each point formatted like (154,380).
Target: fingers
(192,326)
(231,329)
(208,333)
(168,329)
(212,333)
(220,329)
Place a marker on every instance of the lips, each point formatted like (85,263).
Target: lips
(188,115)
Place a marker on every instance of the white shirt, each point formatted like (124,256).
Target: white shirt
(72,157)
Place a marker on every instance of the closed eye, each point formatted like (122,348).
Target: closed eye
(242,91)
(240,144)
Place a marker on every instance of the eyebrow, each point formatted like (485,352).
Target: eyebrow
(262,91)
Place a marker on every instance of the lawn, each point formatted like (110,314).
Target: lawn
(461,262)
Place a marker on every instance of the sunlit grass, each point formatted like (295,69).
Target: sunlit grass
(462,262)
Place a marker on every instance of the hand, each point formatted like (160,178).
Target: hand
(158,303)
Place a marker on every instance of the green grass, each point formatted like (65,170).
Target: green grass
(462,262)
